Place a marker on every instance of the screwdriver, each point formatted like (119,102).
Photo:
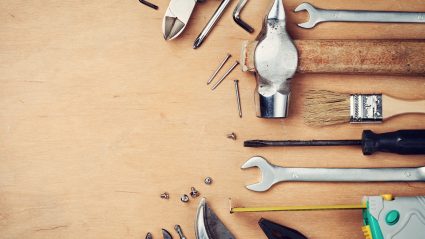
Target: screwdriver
(405,142)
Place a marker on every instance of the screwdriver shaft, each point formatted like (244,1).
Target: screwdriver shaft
(269,143)
(214,19)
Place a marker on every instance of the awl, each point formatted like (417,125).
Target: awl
(405,142)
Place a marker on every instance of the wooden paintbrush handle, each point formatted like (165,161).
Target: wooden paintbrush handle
(392,106)
(382,57)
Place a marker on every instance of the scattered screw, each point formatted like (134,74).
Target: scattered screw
(151,5)
(225,75)
(232,136)
(238,97)
(194,193)
(184,198)
(179,231)
(208,180)
(165,195)
(149,236)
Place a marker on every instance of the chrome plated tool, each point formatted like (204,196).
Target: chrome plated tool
(218,68)
(272,174)
(318,15)
(276,60)
(176,17)
(179,231)
(211,23)
(237,17)
(208,225)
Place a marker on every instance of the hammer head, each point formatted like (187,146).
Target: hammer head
(275,60)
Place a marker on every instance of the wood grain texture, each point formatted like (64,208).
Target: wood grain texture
(99,115)
(383,57)
(394,107)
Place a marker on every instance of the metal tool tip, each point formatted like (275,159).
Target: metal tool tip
(197,43)
(253,144)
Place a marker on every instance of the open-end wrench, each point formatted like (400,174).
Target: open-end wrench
(318,15)
(272,174)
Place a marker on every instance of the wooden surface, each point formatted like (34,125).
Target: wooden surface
(99,115)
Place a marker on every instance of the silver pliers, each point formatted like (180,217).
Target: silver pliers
(176,17)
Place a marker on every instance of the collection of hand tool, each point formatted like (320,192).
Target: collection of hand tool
(274,58)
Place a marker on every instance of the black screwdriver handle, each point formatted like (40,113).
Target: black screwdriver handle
(406,142)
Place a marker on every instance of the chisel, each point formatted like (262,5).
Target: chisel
(405,142)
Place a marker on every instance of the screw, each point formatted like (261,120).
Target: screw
(165,195)
(238,97)
(194,193)
(149,236)
(184,198)
(231,136)
(208,180)
(179,231)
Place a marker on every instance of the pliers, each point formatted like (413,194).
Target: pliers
(176,17)
(276,231)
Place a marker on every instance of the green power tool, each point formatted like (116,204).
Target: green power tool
(384,217)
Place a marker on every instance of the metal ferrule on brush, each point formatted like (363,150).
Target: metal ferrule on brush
(366,108)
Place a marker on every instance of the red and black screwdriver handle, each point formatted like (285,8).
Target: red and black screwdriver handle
(405,142)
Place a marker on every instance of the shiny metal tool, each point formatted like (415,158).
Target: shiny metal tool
(225,75)
(179,231)
(276,60)
(237,16)
(218,68)
(166,234)
(176,17)
(208,225)
(318,15)
(151,5)
(211,23)
(272,174)
(238,98)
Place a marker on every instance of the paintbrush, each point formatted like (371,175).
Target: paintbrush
(325,107)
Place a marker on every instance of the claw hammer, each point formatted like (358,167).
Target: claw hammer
(275,58)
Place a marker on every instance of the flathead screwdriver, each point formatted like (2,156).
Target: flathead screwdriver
(405,142)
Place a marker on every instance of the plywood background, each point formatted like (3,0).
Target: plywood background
(99,115)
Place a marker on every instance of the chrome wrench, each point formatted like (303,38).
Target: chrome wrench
(272,174)
(318,15)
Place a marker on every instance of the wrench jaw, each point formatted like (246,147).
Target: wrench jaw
(313,15)
(267,173)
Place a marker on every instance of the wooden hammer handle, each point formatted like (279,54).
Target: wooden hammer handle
(381,57)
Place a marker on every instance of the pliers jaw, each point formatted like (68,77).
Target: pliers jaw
(176,17)
(276,231)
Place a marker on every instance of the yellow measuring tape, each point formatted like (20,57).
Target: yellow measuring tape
(297,208)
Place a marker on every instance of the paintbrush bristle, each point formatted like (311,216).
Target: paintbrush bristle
(323,107)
